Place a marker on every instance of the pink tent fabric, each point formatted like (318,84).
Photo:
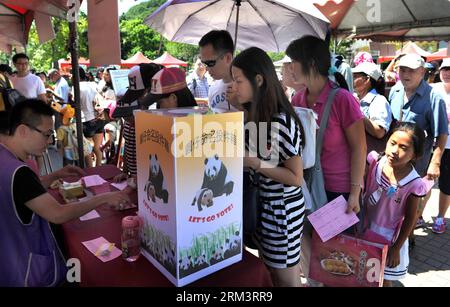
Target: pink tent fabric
(103,33)
(438,55)
(136,59)
(167,60)
(410,47)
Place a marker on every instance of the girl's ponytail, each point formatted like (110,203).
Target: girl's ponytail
(337,77)
(340,80)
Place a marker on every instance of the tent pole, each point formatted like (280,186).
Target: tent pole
(238,5)
(73,45)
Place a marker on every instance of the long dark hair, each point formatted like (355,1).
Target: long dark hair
(379,85)
(313,55)
(4,122)
(269,98)
(109,84)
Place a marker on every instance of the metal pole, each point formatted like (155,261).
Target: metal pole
(238,5)
(73,43)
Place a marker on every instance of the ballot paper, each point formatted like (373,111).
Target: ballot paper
(331,219)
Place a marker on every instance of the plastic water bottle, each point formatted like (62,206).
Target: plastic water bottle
(131,238)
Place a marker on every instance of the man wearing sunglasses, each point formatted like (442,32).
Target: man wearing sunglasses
(30,254)
(216,53)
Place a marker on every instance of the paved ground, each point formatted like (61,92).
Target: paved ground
(430,259)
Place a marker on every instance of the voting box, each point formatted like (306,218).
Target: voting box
(190,190)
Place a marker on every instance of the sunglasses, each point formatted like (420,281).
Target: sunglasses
(212,63)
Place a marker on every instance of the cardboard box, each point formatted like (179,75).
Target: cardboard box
(345,261)
(70,191)
(190,190)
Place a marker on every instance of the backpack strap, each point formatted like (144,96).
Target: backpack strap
(324,121)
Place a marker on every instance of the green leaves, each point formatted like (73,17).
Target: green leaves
(136,36)
(44,56)
(142,10)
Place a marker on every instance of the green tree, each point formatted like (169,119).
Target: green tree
(136,36)
(4,58)
(342,47)
(44,56)
(275,56)
(427,46)
(142,10)
(182,51)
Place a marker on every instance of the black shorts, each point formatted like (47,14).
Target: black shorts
(93,127)
(444,177)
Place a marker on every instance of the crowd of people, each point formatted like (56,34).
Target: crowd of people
(375,144)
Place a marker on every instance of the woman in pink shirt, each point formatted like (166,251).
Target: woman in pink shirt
(344,145)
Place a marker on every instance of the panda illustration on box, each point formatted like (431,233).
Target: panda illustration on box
(155,186)
(216,177)
(150,191)
(204,197)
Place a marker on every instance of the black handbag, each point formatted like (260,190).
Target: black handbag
(251,207)
(11,96)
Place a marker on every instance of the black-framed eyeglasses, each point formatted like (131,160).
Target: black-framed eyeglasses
(47,135)
(212,63)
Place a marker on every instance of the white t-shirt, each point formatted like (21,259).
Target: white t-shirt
(29,86)
(217,97)
(375,107)
(62,89)
(87,95)
(440,86)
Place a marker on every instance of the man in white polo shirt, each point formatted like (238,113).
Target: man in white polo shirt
(29,85)
(216,53)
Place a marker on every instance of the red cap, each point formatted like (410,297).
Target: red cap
(167,81)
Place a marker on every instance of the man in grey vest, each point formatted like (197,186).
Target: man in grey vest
(29,253)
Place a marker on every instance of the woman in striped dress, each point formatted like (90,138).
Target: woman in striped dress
(277,158)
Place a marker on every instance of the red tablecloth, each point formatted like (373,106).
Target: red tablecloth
(250,272)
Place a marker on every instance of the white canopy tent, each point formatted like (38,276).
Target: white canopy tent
(388,19)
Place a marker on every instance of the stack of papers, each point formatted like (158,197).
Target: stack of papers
(92,181)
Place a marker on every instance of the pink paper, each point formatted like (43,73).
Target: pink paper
(331,219)
(94,180)
(121,185)
(90,216)
(93,246)
(428,183)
